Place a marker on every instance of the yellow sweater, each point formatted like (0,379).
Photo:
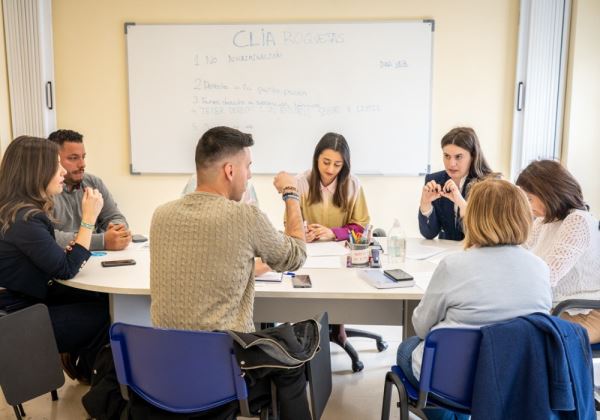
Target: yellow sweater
(326,213)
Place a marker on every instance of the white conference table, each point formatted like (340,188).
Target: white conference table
(339,291)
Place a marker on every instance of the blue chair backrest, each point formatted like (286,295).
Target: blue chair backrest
(177,371)
(449,363)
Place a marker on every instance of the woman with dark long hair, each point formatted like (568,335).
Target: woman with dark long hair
(444,196)
(333,204)
(31,260)
(332,200)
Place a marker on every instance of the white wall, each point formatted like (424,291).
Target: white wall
(474,61)
(582,123)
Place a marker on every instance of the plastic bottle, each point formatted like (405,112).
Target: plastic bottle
(396,243)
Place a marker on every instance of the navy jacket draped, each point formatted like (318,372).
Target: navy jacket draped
(534,367)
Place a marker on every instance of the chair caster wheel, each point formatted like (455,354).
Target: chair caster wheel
(357,366)
(381,346)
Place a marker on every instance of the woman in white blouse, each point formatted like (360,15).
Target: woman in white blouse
(566,236)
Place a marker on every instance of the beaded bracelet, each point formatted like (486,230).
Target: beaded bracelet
(293,196)
(87,225)
(289,188)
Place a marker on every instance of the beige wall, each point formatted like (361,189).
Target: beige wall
(582,123)
(474,61)
(5,122)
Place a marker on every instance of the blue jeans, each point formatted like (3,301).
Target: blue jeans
(404,362)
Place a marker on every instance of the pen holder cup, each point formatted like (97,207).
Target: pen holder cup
(359,253)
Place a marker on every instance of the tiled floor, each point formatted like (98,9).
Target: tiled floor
(355,396)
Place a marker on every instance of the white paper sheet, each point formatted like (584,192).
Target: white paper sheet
(323,262)
(422,252)
(326,249)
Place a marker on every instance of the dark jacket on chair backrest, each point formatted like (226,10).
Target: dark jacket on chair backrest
(534,367)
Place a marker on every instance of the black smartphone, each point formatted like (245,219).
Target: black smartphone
(138,238)
(397,275)
(117,263)
(301,281)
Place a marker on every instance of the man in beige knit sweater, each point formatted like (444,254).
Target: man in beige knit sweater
(203,245)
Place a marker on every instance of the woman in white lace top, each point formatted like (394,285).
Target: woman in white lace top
(565,235)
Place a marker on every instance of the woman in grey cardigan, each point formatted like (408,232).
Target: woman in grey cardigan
(494,279)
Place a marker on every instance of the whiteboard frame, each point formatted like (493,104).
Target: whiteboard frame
(299,22)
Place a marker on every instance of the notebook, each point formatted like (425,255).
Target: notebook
(270,276)
(377,279)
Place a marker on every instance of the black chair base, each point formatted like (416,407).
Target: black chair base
(381,345)
(357,365)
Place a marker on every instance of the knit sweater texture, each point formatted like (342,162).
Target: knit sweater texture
(202,250)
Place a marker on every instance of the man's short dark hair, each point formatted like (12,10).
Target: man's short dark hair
(219,142)
(61,136)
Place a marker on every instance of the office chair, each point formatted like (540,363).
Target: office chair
(581,304)
(447,375)
(29,361)
(357,365)
(179,371)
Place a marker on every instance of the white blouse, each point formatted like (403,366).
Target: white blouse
(571,248)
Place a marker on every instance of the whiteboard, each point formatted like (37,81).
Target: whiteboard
(287,85)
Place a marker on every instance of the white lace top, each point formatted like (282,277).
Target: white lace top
(571,248)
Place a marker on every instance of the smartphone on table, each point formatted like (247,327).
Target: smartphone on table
(301,281)
(397,275)
(117,263)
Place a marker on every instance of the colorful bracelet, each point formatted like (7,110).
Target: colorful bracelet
(293,196)
(289,188)
(87,225)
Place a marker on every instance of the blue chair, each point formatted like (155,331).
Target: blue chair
(447,374)
(179,371)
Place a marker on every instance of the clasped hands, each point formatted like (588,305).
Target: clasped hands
(315,232)
(116,237)
(432,191)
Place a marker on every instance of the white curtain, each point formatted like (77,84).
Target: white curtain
(28,38)
(540,81)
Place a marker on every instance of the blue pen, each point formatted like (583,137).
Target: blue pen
(290,273)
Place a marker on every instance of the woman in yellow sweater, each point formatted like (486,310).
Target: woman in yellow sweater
(333,203)
(331,199)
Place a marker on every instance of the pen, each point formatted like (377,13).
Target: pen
(366,231)
(289,273)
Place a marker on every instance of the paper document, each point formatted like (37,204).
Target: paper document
(326,249)
(377,279)
(323,262)
(271,276)
(422,252)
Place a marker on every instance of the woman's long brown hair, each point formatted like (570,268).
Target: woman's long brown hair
(28,166)
(335,142)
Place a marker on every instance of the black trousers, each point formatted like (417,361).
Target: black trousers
(291,390)
(79,317)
